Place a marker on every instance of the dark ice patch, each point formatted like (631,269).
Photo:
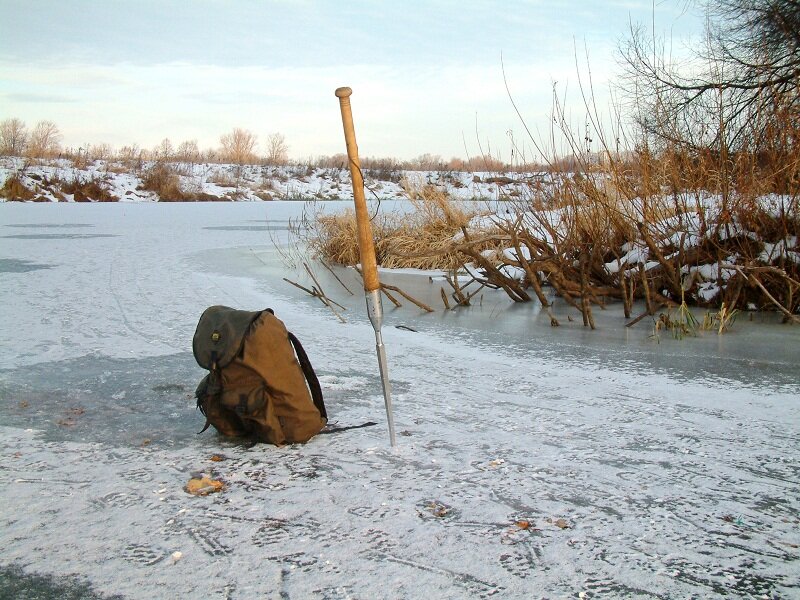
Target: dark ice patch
(49,225)
(283,227)
(13,265)
(122,402)
(16,583)
(105,399)
(58,236)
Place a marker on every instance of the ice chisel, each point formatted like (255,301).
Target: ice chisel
(366,247)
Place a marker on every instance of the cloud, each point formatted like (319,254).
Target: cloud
(33,98)
(400,110)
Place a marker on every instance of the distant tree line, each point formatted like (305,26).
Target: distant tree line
(240,147)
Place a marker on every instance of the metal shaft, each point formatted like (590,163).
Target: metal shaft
(375,312)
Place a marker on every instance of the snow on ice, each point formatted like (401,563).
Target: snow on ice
(531,462)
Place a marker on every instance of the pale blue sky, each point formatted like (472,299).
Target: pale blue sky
(423,73)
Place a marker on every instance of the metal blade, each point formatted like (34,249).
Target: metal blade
(375,312)
(387,387)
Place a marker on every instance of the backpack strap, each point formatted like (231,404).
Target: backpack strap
(311,376)
(336,429)
(209,390)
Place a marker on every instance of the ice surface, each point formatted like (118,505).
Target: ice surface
(531,462)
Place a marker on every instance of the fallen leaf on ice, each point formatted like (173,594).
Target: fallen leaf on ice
(436,508)
(217,458)
(202,486)
(561,524)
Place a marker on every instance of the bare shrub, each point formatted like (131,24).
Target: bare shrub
(426,162)
(165,182)
(222,179)
(92,189)
(14,190)
(103,152)
(477,163)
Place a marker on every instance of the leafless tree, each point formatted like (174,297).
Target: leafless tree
(277,149)
(744,79)
(188,152)
(426,162)
(130,155)
(101,152)
(238,146)
(164,151)
(13,137)
(44,141)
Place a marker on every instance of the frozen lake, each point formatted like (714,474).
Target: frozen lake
(531,462)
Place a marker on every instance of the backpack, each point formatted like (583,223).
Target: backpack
(255,386)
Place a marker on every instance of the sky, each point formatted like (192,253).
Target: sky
(427,77)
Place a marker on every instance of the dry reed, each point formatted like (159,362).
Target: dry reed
(425,238)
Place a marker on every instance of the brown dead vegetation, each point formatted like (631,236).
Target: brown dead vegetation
(14,190)
(164,181)
(419,239)
(639,230)
(90,190)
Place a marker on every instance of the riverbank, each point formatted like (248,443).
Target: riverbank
(62,180)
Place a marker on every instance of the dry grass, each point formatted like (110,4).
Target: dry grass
(163,180)
(15,190)
(223,179)
(91,190)
(424,238)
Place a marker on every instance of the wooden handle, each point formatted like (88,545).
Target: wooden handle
(366,246)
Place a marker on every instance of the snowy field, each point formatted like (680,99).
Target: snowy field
(531,462)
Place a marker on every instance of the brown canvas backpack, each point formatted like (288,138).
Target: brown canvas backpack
(256,386)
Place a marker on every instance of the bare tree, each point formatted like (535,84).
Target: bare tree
(743,80)
(13,137)
(277,149)
(100,152)
(188,152)
(238,146)
(164,151)
(426,162)
(44,141)
(130,155)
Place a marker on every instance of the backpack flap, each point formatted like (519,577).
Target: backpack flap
(220,335)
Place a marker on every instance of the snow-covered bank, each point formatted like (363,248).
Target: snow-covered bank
(48,181)
(523,469)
